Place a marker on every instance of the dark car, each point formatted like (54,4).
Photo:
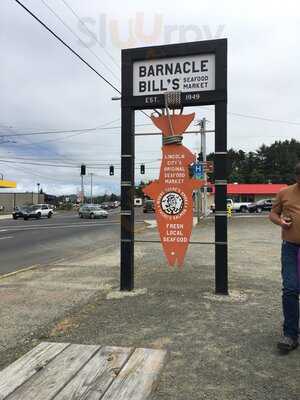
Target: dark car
(260,205)
(149,206)
(19,212)
(106,206)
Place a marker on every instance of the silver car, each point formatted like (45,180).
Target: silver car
(92,211)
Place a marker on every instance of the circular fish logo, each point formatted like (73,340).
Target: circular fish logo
(172,203)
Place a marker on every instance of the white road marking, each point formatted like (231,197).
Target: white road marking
(30,228)
(6,237)
(3,230)
(80,222)
(87,224)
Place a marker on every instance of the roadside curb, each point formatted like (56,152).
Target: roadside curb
(20,271)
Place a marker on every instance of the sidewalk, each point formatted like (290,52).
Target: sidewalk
(221,348)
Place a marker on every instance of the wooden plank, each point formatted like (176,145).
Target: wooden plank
(97,375)
(138,377)
(25,367)
(50,380)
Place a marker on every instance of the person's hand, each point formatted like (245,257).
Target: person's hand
(284,224)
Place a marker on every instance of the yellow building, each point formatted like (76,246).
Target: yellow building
(4,184)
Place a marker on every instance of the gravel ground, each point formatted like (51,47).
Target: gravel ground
(221,347)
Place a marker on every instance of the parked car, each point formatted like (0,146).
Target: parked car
(148,206)
(106,206)
(92,211)
(261,205)
(242,207)
(37,211)
(18,212)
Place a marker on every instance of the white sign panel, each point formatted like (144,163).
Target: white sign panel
(185,74)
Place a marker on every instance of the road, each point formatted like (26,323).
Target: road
(27,243)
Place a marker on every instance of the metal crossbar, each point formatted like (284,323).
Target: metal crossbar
(159,133)
(191,242)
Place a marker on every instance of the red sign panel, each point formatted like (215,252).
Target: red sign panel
(173,192)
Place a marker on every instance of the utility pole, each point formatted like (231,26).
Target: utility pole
(82,190)
(38,192)
(201,202)
(203,151)
(91,174)
(198,193)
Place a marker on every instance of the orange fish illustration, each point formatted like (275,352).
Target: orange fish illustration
(173,192)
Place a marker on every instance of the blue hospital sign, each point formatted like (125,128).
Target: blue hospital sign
(198,171)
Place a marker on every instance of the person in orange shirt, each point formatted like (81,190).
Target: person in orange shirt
(286,213)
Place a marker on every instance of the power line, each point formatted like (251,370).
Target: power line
(31,172)
(265,118)
(39,164)
(49,132)
(114,87)
(242,115)
(81,131)
(101,165)
(68,137)
(87,29)
(72,51)
(81,41)
(67,46)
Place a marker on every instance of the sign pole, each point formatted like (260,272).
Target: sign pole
(189,74)
(198,192)
(127,200)
(127,179)
(203,151)
(221,247)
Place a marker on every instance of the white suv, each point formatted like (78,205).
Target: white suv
(37,211)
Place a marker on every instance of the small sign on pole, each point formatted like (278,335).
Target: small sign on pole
(198,171)
(209,167)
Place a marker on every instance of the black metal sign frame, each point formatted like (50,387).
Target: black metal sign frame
(130,103)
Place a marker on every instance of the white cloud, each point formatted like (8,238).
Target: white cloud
(43,86)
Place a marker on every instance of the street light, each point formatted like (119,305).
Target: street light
(91,174)
(38,191)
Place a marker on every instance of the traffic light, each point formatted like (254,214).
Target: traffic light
(142,169)
(111,170)
(200,157)
(82,170)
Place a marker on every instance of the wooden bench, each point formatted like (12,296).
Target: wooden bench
(64,371)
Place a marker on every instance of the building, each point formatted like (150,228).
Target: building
(8,201)
(4,184)
(249,192)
